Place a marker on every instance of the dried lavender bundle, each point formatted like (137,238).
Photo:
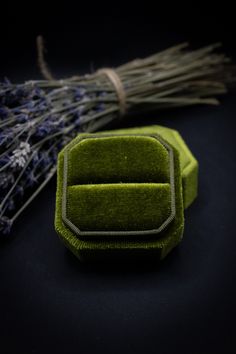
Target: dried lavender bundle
(38,118)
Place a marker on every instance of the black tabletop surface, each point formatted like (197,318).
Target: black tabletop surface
(51,303)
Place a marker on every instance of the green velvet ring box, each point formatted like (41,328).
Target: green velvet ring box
(123,192)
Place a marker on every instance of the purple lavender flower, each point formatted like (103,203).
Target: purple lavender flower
(77,118)
(20,155)
(6,179)
(26,108)
(100,107)
(10,204)
(22,117)
(102,94)
(48,126)
(79,93)
(33,113)
(45,158)
(43,129)
(6,136)
(37,92)
(4,160)
(31,178)
(35,159)
(19,190)
(5,225)
(4,112)
(54,155)
(42,105)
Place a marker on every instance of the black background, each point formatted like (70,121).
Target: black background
(50,303)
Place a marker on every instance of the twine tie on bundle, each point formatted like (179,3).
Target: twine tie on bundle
(114,78)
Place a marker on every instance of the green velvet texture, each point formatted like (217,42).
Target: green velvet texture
(128,172)
(118,159)
(119,183)
(188,163)
(107,206)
